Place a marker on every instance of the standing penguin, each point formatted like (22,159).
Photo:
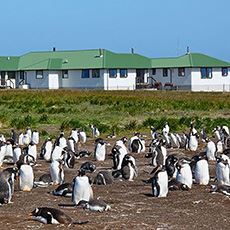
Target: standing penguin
(82,136)
(100,149)
(7,177)
(82,189)
(95,131)
(193,138)
(160,183)
(32,150)
(57,172)
(222,170)
(17,152)
(136,145)
(26,178)
(210,149)
(184,173)
(170,165)
(201,169)
(35,137)
(57,153)
(128,168)
(46,150)
(75,135)
(61,141)
(2,152)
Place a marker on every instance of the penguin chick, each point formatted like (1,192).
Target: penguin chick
(52,216)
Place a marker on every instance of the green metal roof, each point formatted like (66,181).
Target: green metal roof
(9,63)
(189,60)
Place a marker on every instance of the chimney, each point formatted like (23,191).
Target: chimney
(188,50)
(132,50)
(100,52)
(54,49)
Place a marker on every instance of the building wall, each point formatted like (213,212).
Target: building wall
(35,83)
(118,83)
(177,81)
(216,83)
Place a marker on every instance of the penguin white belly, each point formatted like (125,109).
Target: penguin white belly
(9,150)
(82,136)
(26,178)
(164,152)
(193,143)
(202,172)
(100,152)
(35,138)
(142,150)
(57,175)
(210,150)
(20,139)
(82,190)
(71,145)
(25,139)
(2,154)
(62,142)
(219,147)
(57,153)
(222,173)
(48,151)
(32,151)
(121,157)
(74,135)
(163,184)
(16,154)
(184,175)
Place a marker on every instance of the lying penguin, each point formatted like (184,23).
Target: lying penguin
(65,189)
(47,215)
(94,205)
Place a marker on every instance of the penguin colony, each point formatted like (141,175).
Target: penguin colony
(169,171)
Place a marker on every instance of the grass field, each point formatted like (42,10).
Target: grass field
(121,111)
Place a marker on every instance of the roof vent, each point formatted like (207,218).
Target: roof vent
(188,50)
(54,49)
(132,50)
(65,61)
(100,53)
(8,58)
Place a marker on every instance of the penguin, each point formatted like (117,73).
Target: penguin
(14,137)
(2,152)
(170,165)
(95,131)
(17,152)
(57,153)
(184,173)
(94,205)
(193,140)
(83,153)
(222,170)
(7,177)
(32,150)
(136,145)
(217,133)
(82,189)
(26,178)
(82,136)
(224,189)
(9,149)
(65,189)
(2,138)
(201,169)
(176,185)
(69,158)
(46,150)
(103,178)
(118,152)
(203,135)
(20,139)
(61,141)
(29,133)
(71,144)
(160,183)
(219,147)
(210,149)
(35,137)
(154,133)
(174,141)
(25,139)
(57,172)
(44,181)
(88,167)
(75,135)
(128,168)
(47,215)
(100,149)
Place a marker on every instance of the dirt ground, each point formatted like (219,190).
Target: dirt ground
(131,202)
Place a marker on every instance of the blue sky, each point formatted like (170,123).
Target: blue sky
(155,28)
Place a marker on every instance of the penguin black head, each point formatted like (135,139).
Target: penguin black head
(88,167)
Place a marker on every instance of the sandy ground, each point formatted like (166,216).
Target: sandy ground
(133,207)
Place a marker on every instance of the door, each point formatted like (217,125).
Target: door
(53,81)
(3,78)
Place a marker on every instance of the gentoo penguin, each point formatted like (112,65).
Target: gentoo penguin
(82,136)
(52,216)
(75,135)
(222,170)
(2,152)
(29,132)
(119,151)
(46,150)
(160,183)
(61,141)
(9,149)
(210,149)
(136,145)
(176,185)
(203,135)
(100,149)
(103,178)
(95,131)
(65,189)
(71,144)
(82,189)
(224,189)
(57,172)
(170,165)
(14,137)
(7,177)
(35,137)
(20,139)
(2,138)
(128,168)
(193,139)
(69,158)
(17,152)
(32,150)
(25,139)
(174,141)
(26,178)
(88,167)
(94,205)
(201,169)
(184,173)
(44,181)
(154,133)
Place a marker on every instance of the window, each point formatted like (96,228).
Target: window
(165,72)
(95,73)
(206,73)
(112,73)
(224,71)
(154,71)
(39,74)
(65,74)
(85,73)
(123,73)
(181,72)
